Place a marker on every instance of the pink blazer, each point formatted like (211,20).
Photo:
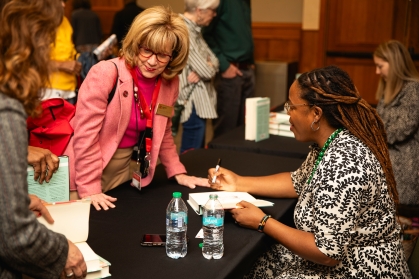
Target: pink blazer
(99,127)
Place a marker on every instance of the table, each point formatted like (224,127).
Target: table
(274,145)
(116,234)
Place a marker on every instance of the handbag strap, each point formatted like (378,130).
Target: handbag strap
(112,93)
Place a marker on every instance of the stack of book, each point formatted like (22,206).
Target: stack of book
(279,124)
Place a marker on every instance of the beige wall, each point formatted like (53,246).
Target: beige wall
(262,10)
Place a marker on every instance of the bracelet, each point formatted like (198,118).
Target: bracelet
(263,222)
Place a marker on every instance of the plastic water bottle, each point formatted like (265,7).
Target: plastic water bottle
(176,227)
(213,228)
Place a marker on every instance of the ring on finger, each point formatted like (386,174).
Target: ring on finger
(70,274)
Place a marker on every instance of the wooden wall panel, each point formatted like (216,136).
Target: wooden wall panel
(362,72)
(312,48)
(359,26)
(311,52)
(276,41)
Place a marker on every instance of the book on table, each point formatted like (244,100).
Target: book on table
(279,124)
(72,220)
(57,189)
(257,118)
(102,273)
(228,200)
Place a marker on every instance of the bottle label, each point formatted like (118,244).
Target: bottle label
(213,221)
(178,219)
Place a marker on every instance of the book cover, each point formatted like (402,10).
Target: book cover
(57,189)
(257,118)
(102,51)
(227,199)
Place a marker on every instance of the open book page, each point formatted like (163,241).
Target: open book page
(58,189)
(227,199)
(70,219)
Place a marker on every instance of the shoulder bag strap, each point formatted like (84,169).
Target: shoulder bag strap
(112,93)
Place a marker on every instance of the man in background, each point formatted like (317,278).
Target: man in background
(230,38)
(123,19)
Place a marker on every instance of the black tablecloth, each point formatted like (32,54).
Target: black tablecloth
(274,145)
(116,234)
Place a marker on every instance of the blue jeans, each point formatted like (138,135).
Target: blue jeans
(193,132)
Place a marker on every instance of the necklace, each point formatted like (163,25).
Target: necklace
(322,151)
(138,102)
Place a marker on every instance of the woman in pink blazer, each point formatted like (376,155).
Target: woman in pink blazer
(154,51)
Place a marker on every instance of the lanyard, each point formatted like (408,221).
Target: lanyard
(147,112)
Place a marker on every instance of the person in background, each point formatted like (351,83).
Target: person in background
(398,107)
(230,37)
(123,19)
(87,31)
(27,247)
(196,80)
(153,53)
(345,215)
(63,81)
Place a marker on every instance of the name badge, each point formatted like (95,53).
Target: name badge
(164,110)
(136,180)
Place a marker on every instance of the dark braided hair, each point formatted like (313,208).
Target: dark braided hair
(332,90)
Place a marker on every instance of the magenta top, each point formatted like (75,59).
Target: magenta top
(146,87)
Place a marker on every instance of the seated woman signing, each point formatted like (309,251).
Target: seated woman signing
(345,215)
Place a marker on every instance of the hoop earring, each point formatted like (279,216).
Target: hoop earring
(318,127)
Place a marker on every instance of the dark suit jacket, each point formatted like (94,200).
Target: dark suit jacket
(123,19)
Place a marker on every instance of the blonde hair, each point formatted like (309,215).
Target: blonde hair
(28,28)
(401,69)
(157,27)
(192,5)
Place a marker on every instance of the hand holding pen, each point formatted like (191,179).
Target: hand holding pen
(222,179)
(217,167)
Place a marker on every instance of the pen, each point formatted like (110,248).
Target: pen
(216,169)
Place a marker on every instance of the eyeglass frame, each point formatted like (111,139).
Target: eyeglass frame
(287,106)
(154,53)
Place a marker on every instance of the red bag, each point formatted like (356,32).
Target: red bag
(52,129)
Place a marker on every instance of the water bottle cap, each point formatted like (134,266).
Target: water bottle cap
(213,196)
(177,194)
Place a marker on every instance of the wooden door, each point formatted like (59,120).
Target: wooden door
(355,28)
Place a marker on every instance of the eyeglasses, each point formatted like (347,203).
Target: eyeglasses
(289,107)
(161,57)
